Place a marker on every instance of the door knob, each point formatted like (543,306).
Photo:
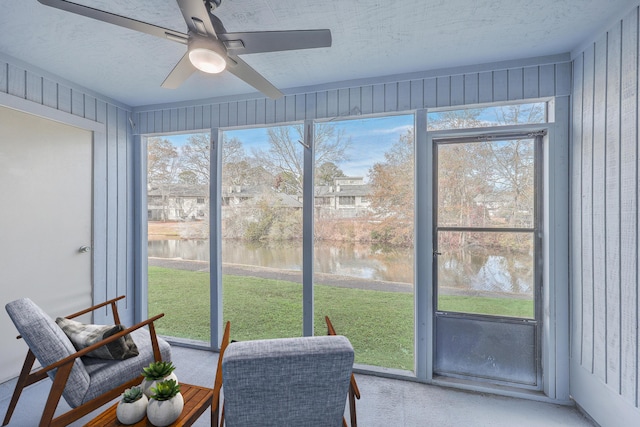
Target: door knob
(84,249)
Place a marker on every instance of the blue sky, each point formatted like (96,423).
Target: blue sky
(370,139)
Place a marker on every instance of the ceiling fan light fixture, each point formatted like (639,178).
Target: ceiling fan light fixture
(207,60)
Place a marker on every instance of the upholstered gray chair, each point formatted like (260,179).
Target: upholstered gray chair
(86,383)
(287,382)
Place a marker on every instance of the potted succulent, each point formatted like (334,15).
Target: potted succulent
(156,372)
(132,407)
(166,403)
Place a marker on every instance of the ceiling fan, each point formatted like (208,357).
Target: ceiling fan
(210,48)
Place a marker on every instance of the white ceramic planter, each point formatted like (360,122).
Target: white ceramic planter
(147,385)
(131,413)
(161,413)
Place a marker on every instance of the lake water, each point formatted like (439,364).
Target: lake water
(491,272)
(355,260)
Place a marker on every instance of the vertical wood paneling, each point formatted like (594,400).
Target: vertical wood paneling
(378,98)
(471,95)
(100,231)
(443,91)
(516,84)
(612,213)
(261,111)
(173,116)
(141,123)
(629,210)
(343,102)
(64,98)
(273,108)
(500,85)
(122,191)
(430,93)
(250,116)
(457,90)
(366,99)
(530,82)
(77,103)
(311,105)
(587,210)
(289,108)
(322,105)
(576,210)
(90,107)
(332,104)
(223,114)
(197,117)
(599,189)
(206,117)
(390,97)
(562,79)
(300,107)
(547,80)
(49,93)
(485,86)
(4,77)
(404,96)
(112,202)
(604,254)
(232,119)
(417,94)
(34,88)
(17,81)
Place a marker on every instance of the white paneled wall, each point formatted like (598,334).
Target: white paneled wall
(604,212)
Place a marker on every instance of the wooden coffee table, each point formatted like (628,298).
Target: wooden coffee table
(196,400)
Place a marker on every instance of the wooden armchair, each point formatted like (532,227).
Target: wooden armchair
(86,383)
(287,382)
(217,414)
(354,391)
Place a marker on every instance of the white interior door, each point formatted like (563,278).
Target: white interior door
(45,218)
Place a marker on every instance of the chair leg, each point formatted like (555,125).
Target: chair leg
(20,385)
(59,381)
(352,407)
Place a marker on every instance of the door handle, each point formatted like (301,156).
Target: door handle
(84,249)
(435,253)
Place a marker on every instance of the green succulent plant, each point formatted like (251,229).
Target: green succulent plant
(157,370)
(132,394)
(165,390)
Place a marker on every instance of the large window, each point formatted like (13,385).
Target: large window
(261,192)
(364,244)
(178,234)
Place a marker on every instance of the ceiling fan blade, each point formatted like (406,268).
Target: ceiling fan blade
(180,73)
(197,17)
(243,71)
(119,20)
(273,41)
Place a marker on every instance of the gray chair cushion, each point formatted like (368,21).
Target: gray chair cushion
(90,377)
(287,382)
(49,344)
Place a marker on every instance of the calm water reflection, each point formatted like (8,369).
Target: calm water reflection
(496,272)
(355,260)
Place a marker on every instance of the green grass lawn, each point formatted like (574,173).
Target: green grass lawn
(378,324)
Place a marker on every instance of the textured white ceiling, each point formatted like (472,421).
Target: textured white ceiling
(371,38)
